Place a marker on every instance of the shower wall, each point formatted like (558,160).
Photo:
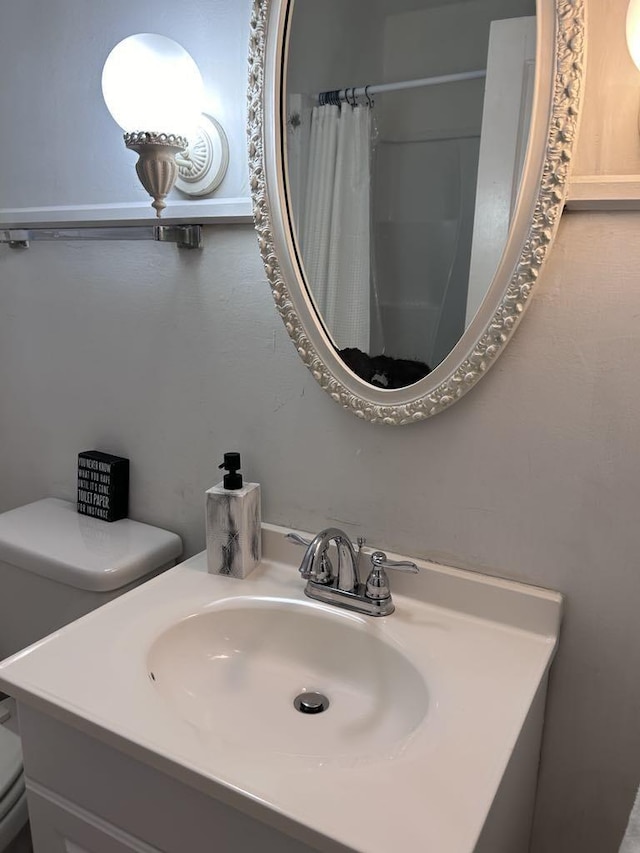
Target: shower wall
(426,173)
(422,220)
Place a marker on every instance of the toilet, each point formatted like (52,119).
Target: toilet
(13,797)
(55,566)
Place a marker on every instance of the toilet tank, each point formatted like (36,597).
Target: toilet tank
(56,565)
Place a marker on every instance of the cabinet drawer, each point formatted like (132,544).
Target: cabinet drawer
(144,802)
(58,826)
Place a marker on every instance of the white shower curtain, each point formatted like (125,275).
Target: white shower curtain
(335,234)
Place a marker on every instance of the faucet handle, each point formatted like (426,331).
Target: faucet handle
(298,540)
(308,569)
(377,586)
(379,561)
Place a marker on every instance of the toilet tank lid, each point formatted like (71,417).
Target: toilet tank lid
(51,539)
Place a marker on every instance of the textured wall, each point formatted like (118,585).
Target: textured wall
(174,357)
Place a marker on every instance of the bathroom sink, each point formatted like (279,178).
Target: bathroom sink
(247,659)
(430,740)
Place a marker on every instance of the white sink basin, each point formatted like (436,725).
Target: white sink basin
(246,659)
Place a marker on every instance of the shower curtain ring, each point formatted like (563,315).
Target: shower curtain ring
(368,96)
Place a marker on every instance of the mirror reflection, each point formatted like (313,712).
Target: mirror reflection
(406,131)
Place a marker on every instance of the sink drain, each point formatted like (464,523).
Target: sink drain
(311,703)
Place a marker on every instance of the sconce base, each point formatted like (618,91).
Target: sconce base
(202,168)
(156,167)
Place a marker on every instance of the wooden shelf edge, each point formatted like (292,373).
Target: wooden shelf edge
(604,192)
(197,211)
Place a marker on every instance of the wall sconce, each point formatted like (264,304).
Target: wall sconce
(633,30)
(154,90)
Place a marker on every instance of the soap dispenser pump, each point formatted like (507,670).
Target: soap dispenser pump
(232,480)
(233,523)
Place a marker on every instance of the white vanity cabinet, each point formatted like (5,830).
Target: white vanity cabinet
(61,827)
(134,740)
(86,797)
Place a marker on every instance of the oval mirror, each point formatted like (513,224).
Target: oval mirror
(409,162)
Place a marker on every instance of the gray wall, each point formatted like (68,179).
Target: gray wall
(173,357)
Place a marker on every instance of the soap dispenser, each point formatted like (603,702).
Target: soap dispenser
(234,543)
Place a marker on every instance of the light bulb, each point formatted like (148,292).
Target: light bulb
(151,83)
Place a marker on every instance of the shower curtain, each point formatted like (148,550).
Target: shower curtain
(335,234)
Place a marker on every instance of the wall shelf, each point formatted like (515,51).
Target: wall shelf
(195,211)
(604,192)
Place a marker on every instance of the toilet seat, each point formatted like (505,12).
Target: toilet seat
(13,798)
(10,798)
(10,767)
(14,822)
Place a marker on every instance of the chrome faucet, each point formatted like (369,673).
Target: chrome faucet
(344,587)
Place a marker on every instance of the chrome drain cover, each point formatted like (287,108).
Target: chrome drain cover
(311,703)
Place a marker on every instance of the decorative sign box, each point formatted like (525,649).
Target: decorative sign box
(103,485)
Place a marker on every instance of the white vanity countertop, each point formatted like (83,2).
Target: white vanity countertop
(483,646)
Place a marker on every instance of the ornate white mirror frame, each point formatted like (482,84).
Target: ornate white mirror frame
(559,69)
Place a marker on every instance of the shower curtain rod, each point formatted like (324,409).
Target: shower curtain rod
(350,94)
